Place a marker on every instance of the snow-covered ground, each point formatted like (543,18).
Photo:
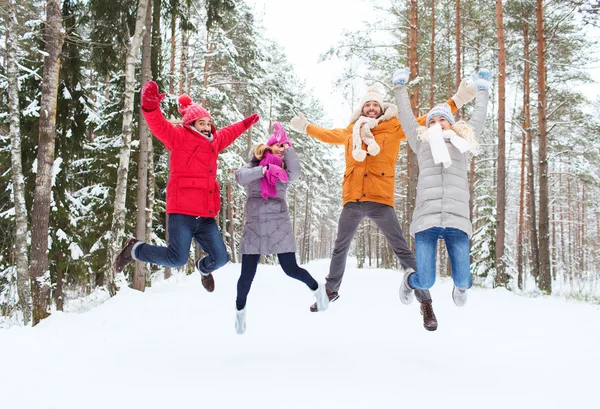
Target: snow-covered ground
(175,347)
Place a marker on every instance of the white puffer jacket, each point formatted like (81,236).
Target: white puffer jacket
(442,193)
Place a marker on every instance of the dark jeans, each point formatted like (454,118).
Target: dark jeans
(182,229)
(288,264)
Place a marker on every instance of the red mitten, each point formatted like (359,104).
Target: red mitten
(150,96)
(251,120)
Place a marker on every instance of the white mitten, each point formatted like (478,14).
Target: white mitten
(299,123)
(465,93)
(400,77)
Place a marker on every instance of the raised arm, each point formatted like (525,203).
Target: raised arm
(332,136)
(226,136)
(162,129)
(479,115)
(292,164)
(407,118)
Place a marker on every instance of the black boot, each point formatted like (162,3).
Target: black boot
(429,320)
(124,256)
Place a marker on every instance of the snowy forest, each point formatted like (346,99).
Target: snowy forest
(80,172)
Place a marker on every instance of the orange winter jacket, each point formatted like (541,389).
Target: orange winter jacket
(371,180)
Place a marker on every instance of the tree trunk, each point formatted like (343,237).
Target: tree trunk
(306,238)
(155,54)
(411,166)
(230,218)
(524,170)
(21,231)
(206,75)
(521,222)
(173,52)
(151,195)
(582,243)
(183,61)
(544,279)
(500,279)
(458,53)
(141,268)
(432,58)
(40,278)
(533,232)
(118,220)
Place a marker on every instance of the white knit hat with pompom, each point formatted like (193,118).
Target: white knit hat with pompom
(372,94)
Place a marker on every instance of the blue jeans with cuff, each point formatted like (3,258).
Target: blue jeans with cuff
(457,244)
(182,229)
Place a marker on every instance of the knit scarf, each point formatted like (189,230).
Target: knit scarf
(268,183)
(437,141)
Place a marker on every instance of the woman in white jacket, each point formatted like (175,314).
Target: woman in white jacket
(442,205)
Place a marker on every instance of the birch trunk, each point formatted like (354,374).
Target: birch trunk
(183,61)
(118,220)
(544,279)
(141,269)
(150,205)
(40,276)
(18,182)
(173,53)
(500,279)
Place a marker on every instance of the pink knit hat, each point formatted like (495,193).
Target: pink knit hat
(190,110)
(279,136)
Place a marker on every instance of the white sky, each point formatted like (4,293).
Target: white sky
(307,29)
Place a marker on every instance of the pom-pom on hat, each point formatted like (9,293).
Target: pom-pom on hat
(190,110)
(441,110)
(279,136)
(372,94)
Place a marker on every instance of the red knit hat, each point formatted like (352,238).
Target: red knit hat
(190,110)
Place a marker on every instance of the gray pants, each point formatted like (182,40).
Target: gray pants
(385,218)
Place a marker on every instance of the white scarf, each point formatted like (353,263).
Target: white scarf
(437,142)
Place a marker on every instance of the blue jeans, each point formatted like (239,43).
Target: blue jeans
(182,229)
(457,244)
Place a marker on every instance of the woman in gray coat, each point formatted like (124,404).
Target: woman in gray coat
(268,227)
(442,206)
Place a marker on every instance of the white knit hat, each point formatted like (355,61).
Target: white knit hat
(372,95)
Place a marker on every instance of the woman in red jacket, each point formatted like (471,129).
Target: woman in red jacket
(193,196)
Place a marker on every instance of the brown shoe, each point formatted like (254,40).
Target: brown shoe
(208,282)
(332,295)
(429,320)
(124,256)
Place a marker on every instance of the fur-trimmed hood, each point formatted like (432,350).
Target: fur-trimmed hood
(389,111)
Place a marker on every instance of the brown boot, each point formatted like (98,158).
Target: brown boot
(124,256)
(429,320)
(332,295)
(208,282)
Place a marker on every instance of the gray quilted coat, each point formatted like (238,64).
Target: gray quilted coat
(268,227)
(442,193)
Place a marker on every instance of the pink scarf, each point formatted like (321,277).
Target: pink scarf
(274,173)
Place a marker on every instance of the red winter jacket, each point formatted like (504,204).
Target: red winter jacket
(193,188)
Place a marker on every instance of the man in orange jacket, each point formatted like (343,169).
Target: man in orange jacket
(372,142)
